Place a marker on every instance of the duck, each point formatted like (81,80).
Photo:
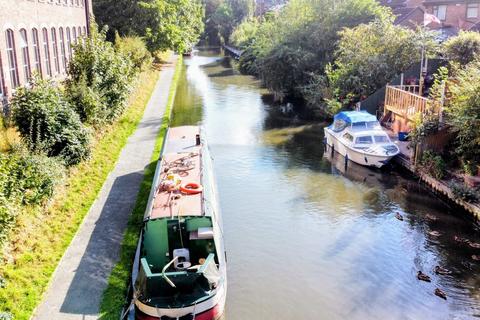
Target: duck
(423,277)
(440,293)
(399,216)
(442,271)
(476,257)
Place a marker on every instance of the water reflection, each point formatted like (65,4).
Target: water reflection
(308,238)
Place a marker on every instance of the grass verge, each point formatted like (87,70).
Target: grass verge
(114,296)
(43,234)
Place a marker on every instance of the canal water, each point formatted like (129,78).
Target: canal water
(307,238)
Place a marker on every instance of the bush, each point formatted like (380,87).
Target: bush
(47,122)
(433,164)
(463,112)
(7,217)
(99,81)
(6,316)
(136,50)
(463,48)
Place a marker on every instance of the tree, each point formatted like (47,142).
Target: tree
(164,24)
(230,14)
(370,55)
(463,48)
(463,113)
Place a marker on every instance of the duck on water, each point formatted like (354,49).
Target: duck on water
(179,270)
(358,136)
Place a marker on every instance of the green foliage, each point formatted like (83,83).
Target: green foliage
(231,13)
(463,48)
(135,49)
(244,33)
(47,122)
(26,178)
(171,24)
(294,46)
(463,192)
(370,55)
(433,164)
(99,81)
(463,112)
(164,24)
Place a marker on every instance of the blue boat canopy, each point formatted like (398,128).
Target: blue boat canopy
(355,116)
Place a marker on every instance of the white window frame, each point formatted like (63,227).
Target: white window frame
(472,10)
(46,49)
(27,71)
(440,11)
(36,52)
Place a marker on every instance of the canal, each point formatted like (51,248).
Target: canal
(307,239)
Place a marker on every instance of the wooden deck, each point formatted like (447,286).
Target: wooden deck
(405,103)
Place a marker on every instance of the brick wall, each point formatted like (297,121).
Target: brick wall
(456,15)
(18,15)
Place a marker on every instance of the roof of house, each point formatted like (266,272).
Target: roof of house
(402,14)
(393,3)
(434,2)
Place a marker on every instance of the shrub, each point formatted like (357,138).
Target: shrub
(47,122)
(99,80)
(463,48)
(136,50)
(433,164)
(7,217)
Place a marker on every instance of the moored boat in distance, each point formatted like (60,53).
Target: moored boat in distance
(179,270)
(359,137)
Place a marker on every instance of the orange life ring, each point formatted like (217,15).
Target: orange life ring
(191,188)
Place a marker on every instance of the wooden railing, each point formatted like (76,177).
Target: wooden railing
(406,104)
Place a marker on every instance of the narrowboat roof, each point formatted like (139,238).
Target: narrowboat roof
(355,116)
(182,157)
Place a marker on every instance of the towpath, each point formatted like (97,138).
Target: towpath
(82,274)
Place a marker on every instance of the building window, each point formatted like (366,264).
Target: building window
(36,52)
(80,32)
(12,59)
(75,35)
(84,32)
(27,72)
(56,63)
(62,49)
(472,10)
(47,52)
(440,12)
(69,43)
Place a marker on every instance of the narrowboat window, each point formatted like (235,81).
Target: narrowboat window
(364,140)
(381,139)
(348,136)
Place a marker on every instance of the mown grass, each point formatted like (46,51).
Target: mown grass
(114,296)
(42,235)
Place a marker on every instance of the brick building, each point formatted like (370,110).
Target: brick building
(458,14)
(37,36)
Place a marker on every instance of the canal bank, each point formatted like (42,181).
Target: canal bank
(439,187)
(81,276)
(307,238)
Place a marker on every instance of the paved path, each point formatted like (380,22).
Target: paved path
(81,276)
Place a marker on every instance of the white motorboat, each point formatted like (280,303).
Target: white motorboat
(359,137)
